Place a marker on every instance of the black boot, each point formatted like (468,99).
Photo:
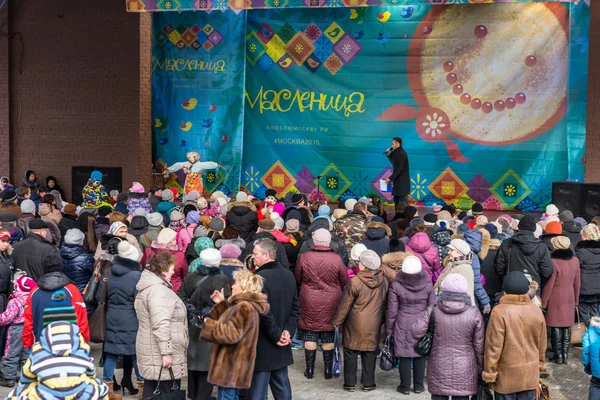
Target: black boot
(126,382)
(556,339)
(566,343)
(328,361)
(310,356)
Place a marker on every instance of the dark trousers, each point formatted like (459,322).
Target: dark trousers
(436,397)
(418,373)
(594,389)
(400,202)
(164,387)
(198,386)
(367,361)
(278,380)
(587,311)
(524,395)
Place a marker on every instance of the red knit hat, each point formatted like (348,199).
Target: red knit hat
(175,192)
(554,228)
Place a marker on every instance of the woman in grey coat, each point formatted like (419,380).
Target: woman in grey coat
(204,277)
(456,358)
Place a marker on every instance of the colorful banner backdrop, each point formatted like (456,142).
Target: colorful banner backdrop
(489,100)
(197,93)
(239,5)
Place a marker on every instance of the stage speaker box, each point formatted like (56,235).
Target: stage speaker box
(590,200)
(112,179)
(567,196)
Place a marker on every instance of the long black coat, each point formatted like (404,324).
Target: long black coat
(280,288)
(523,252)
(244,217)
(121,318)
(588,252)
(198,353)
(400,177)
(35,254)
(572,230)
(6,269)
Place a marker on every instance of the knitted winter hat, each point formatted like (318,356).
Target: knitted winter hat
(350,203)
(270,192)
(554,228)
(139,212)
(166,235)
(176,215)
(174,191)
(357,250)
(230,251)
(137,188)
(154,219)
(365,200)
(293,225)
(74,237)
(266,225)
(167,195)
(279,222)
(455,283)
(412,265)
(461,246)
(192,196)
(217,224)
(200,231)
(128,251)
(369,259)
(297,198)
(430,219)
(580,221)
(115,226)
(211,257)
(416,221)
(477,209)
(321,237)
(59,308)
(241,196)
(515,283)
(560,243)
(9,195)
(193,217)
(444,215)
(566,216)
(492,229)
(97,175)
(551,209)
(324,210)
(203,243)
(527,224)
(25,284)
(27,206)
(71,209)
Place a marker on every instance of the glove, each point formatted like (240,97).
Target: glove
(487,309)
(587,369)
(195,317)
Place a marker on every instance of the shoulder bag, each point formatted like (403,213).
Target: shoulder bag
(97,323)
(423,345)
(578,329)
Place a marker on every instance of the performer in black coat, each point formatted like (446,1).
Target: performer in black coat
(400,177)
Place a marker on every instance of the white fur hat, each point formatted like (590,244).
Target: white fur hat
(412,265)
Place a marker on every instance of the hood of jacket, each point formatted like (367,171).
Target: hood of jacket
(70,252)
(26,182)
(53,281)
(258,301)
(164,206)
(241,243)
(57,343)
(572,227)
(240,208)
(139,225)
(319,223)
(377,230)
(419,242)
(453,303)
(372,278)
(526,241)
(495,244)
(149,279)
(474,239)
(413,282)
(122,266)
(443,237)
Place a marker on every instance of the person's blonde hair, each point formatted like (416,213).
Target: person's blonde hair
(116,216)
(195,155)
(248,281)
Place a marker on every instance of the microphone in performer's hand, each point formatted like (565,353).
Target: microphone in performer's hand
(385,153)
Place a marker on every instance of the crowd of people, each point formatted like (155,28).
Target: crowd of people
(221,290)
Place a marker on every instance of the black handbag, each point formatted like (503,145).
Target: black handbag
(387,360)
(423,345)
(175,393)
(484,392)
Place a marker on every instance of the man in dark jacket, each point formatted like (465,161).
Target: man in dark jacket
(400,177)
(69,220)
(266,226)
(273,351)
(337,244)
(570,227)
(35,253)
(523,252)
(155,196)
(242,214)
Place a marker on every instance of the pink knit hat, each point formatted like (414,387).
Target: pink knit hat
(230,251)
(24,284)
(137,188)
(455,283)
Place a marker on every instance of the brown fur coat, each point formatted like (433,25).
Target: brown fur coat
(233,330)
(391,264)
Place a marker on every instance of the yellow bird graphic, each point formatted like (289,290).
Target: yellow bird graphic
(312,63)
(190,104)
(384,17)
(186,126)
(285,63)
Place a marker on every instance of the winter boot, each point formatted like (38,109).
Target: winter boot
(566,343)
(140,386)
(556,339)
(9,383)
(328,361)
(310,356)
(111,394)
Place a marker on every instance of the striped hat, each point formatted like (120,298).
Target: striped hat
(59,309)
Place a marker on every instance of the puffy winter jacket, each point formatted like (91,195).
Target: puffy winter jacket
(409,298)
(322,277)
(591,347)
(588,252)
(474,240)
(572,230)
(121,319)
(6,273)
(378,238)
(420,245)
(456,358)
(337,244)
(391,264)
(138,200)
(181,265)
(78,263)
(35,254)
(242,214)
(523,252)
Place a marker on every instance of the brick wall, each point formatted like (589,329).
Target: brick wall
(592,166)
(4,90)
(77,101)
